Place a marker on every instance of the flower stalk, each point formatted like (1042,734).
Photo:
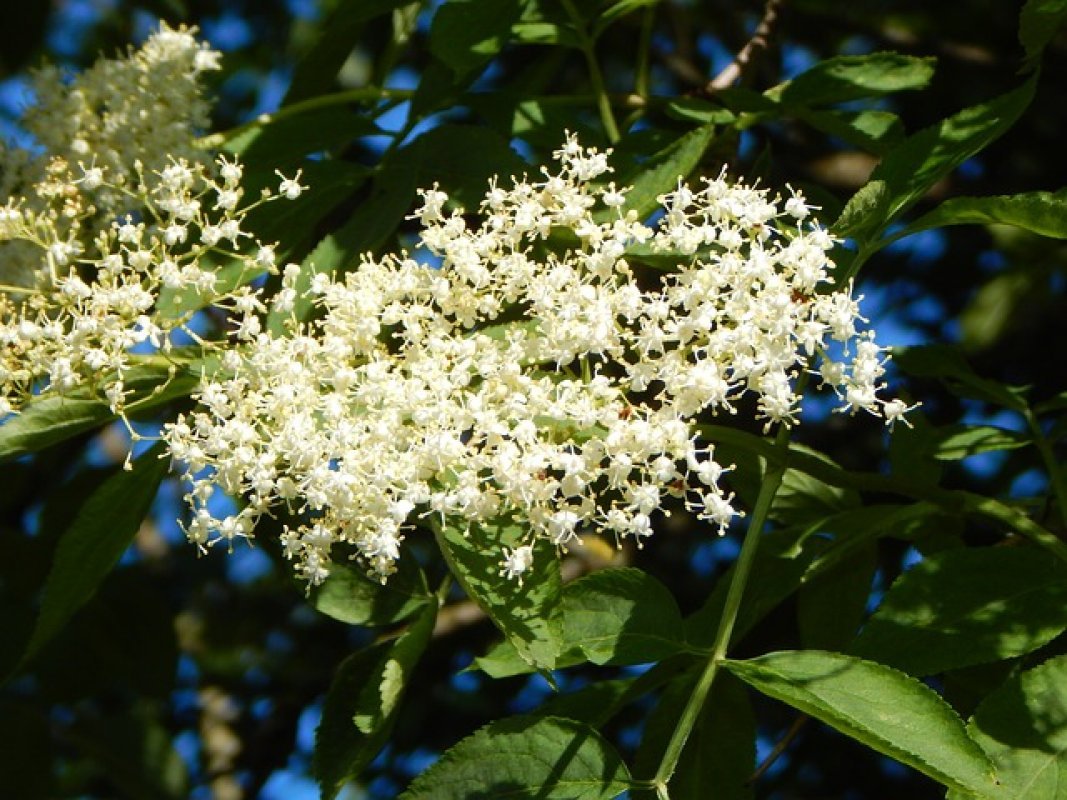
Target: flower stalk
(772,480)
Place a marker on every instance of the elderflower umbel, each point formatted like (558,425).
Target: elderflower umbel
(120,207)
(408,397)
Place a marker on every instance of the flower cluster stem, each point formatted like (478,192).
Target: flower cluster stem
(596,77)
(772,479)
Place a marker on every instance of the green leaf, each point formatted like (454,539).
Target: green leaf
(362,704)
(884,709)
(547,33)
(855,530)
(462,158)
(315,72)
(93,544)
(611,616)
(955,442)
(803,497)
(1023,728)
(908,171)
(351,596)
(783,558)
(1006,302)
(1043,213)
(529,615)
(465,34)
(503,660)
(1039,22)
(660,173)
(846,78)
(548,758)
(832,603)
(541,124)
(874,131)
(698,110)
(948,365)
(594,704)
(622,616)
(721,750)
(48,420)
(909,450)
(864,209)
(599,702)
(282,141)
(967,606)
(619,9)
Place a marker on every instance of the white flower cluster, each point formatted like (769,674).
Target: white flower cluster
(148,106)
(530,374)
(142,109)
(112,221)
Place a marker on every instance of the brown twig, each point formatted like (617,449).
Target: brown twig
(779,748)
(753,48)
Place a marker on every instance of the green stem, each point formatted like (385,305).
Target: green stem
(772,479)
(18,289)
(1055,474)
(642,80)
(596,77)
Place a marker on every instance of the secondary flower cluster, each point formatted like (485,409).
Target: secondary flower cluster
(525,372)
(118,210)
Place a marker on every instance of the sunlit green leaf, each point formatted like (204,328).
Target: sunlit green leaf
(960,441)
(884,709)
(874,131)
(909,170)
(1043,213)
(465,34)
(1023,728)
(529,615)
(1039,22)
(845,78)
(622,616)
(353,597)
(660,173)
(546,33)
(611,616)
(967,606)
(362,705)
(47,420)
(548,758)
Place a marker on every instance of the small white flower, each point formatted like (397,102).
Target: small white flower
(290,188)
(516,562)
